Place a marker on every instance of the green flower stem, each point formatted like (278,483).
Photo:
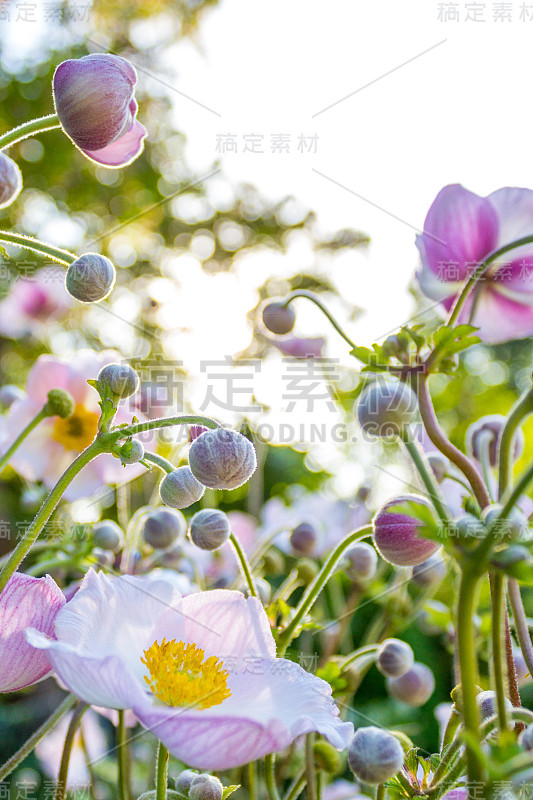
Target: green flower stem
(123,760)
(381,792)
(310,771)
(161,776)
(132,537)
(27,129)
(314,588)
(428,479)
(314,299)
(28,243)
(442,443)
(28,746)
(75,721)
(478,273)
(244,565)
(163,422)
(450,731)
(521,409)
(362,653)
(498,606)
(252,781)
(159,461)
(24,546)
(296,787)
(32,424)
(270,777)
(520,623)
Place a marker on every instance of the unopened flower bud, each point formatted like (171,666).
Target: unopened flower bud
(386,407)
(205,787)
(222,459)
(108,535)
(396,534)
(9,394)
(90,278)
(414,687)
(307,570)
(59,403)
(10,180)
(327,758)
(209,529)
(439,465)
(487,704)
(429,572)
(278,318)
(303,539)
(121,379)
(273,563)
(264,590)
(526,738)
(523,675)
(511,558)
(131,452)
(394,658)
(362,561)
(512,527)
(375,755)
(195,431)
(183,782)
(180,489)
(163,526)
(104,558)
(491,427)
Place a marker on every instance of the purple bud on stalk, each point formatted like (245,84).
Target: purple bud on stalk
(278,318)
(362,561)
(108,535)
(90,278)
(396,534)
(180,489)
(121,379)
(394,658)
(439,465)
(209,529)
(488,704)
(414,687)
(375,755)
(222,459)
(303,539)
(10,181)
(183,782)
(205,787)
(386,407)
(526,738)
(163,526)
(491,426)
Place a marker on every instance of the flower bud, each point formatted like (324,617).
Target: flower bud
(104,558)
(183,782)
(10,181)
(396,534)
(526,738)
(59,403)
(512,527)
(9,394)
(430,572)
(205,787)
(362,561)
(375,755)
(180,489)
(222,459)
(386,407)
(439,465)
(90,278)
(522,670)
(163,526)
(121,379)
(488,704)
(108,535)
(307,570)
(264,590)
(491,426)
(303,539)
(131,452)
(209,529)
(327,758)
(511,558)
(414,687)
(195,431)
(394,658)
(278,318)
(273,563)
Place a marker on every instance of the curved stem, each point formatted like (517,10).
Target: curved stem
(123,761)
(159,461)
(520,623)
(22,435)
(244,565)
(270,777)
(296,787)
(161,772)
(484,442)
(21,132)
(381,792)
(424,470)
(28,243)
(18,757)
(314,299)
(163,422)
(521,409)
(314,588)
(310,771)
(498,606)
(78,713)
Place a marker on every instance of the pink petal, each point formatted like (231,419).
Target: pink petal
(123,151)
(501,319)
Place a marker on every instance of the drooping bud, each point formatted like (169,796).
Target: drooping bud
(327,758)
(487,704)
(209,529)
(205,787)
(131,452)
(59,403)
(386,407)
(307,570)
(491,426)
(222,459)
(121,379)
(108,535)
(512,527)
(439,465)
(273,563)
(394,658)
(180,489)
(303,539)
(90,278)
(396,534)
(104,558)
(362,561)
(430,572)
(183,782)
(414,687)
(278,318)
(9,394)
(10,181)
(526,738)
(163,526)
(374,755)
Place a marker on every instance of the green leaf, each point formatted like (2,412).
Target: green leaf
(229,790)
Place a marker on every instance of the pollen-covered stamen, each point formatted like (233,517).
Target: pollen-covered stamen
(77,431)
(179,675)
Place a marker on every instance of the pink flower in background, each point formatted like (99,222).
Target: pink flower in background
(120,637)
(461,229)
(25,601)
(52,446)
(34,301)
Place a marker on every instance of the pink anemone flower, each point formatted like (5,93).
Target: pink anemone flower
(199,671)
(461,229)
(24,602)
(34,301)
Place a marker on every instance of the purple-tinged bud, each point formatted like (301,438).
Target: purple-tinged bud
(183,782)
(488,705)
(104,558)
(386,407)
(162,527)
(512,527)
(121,379)
(523,675)
(180,489)
(414,687)
(131,452)
(492,427)
(303,539)
(90,278)
(375,755)
(278,318)
(526,738)
(222,459)
(394,658)
(94,101)
(264,590)
(195,431)
(108,535)
(205,787)
(439,466)
(430,572)
(362,561)
(10,181)
(9,394)
(209,529)
(396,535)
(59,403)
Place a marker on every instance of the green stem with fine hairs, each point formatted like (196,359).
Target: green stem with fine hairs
(30,128)
(314,299)
(521,409)
(123,760)
(270,777)
(161,772)
(244,565)
(164,422)
(61,787)
(498,608)
(159,461)
(424,470)
(63,257)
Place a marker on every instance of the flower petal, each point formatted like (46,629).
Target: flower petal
(501,319)
(123,151)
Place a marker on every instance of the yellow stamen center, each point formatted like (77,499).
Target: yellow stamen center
(179,675)
(77,431)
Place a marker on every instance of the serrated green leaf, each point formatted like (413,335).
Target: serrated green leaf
(229,790)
